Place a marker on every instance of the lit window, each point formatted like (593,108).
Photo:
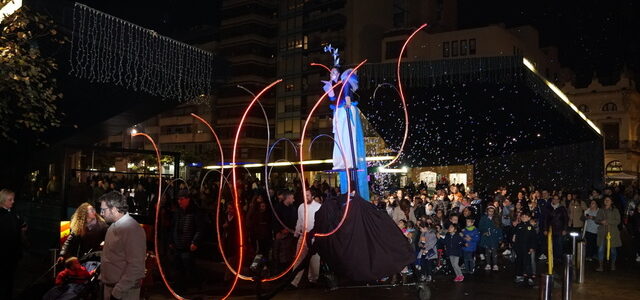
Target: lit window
(614,166)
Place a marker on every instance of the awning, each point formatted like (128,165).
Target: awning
(622,176)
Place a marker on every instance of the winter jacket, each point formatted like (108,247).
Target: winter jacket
(77,245)
(557,219)
(612,216)
(474,234)
(525,237)
(490,234)
(453,244)
(430,241)
(576,212)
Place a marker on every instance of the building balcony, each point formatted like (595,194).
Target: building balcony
(175,120)
(185,138)
(621,146)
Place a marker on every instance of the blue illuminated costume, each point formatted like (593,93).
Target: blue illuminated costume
(349,144)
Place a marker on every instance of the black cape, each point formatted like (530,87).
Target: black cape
(368,246)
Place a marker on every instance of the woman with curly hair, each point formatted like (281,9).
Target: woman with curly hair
(88,230)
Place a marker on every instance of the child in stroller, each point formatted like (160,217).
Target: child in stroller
(76,281)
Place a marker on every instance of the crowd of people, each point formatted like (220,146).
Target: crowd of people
(453,230)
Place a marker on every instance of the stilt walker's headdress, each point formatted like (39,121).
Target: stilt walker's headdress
(334,53)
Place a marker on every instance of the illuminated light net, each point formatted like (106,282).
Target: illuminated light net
(107,49)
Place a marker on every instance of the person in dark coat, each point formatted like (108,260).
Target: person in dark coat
(453,244)
(525,241)
(491,235)
(556,218)
(186,236)
(11,231)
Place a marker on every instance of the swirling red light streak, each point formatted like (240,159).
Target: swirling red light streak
(235,184)
(404,103)
(155,227)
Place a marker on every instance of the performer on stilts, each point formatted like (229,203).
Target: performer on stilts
(349,153)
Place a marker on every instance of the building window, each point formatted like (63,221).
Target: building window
(472,46)
(289,87)
(445,49)
(454,48)
(583,108)
(393,49)
(610,107)
(611,135)
(463,47)
(614,166)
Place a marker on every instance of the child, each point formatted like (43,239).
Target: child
(427,252)
(69,282)
(524,244)
(471,237)
(453,243)
(491,237)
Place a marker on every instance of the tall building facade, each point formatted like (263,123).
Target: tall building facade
(616,111)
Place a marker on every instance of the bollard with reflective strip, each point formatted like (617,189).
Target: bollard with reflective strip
(567,281)
(546,286)
(580,259)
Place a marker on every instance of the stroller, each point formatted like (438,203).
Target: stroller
(77,291)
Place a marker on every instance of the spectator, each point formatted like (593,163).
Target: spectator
(404,211)
(525,240)
(634,228)
(471,237)
(427,253)
(123,256)
(69,282)
(87,232)
(491,235)
(11,236)
(284,243)
(453,243)
(186,236)
(507,214)
(303,226)
(576,213)
(556,219)
(608,218)
(591,230)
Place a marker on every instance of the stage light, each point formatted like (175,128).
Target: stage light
(134,131)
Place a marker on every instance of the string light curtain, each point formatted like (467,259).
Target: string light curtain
(107,49)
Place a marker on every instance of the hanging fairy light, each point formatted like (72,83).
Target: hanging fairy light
(107,49)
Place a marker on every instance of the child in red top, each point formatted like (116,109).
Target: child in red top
(69,282)
(74,272)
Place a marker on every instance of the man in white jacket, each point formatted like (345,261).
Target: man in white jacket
(123,255)
(314,264)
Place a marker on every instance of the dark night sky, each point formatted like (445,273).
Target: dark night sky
(592,36)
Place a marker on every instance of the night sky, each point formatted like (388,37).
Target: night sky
(592,36)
